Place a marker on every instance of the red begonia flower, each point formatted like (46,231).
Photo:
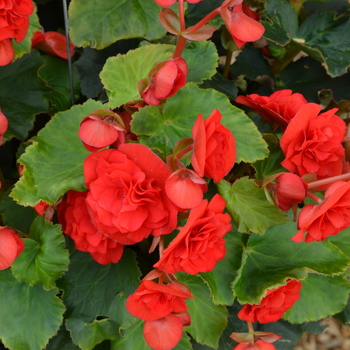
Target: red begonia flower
(258,345)
(167,3)
(152,301)
(185,188)
(276,302)
(99,131)
(280,107)
(6,52)
(163,333)
(165,79)
(3,126)
(200,244)
(328,218)
(74,217)
(214,148)
(242,27)
(11,247)
(126,198)
(312,142)
(53,43)
(290,189)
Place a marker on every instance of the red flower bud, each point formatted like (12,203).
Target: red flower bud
(291,189)
(11,247)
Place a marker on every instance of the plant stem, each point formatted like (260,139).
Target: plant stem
(182,15)
(227,63)
(315,198)
(181,42)
(184,151)
(203,21)
(250,327)
(329,180)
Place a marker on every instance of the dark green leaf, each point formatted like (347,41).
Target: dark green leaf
(207,320)
(29,316)
(196,12)
(11,211)
(221,84)
(61,341)
(53,164)
(344,315)
(180,113)
(44,258)
(100,24)
(219,280)
(320,296)
(249,207)
(314,327)
(282,22)
(27,96)
(270,259)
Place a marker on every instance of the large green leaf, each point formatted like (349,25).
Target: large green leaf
(29,316)
(201,58)
(207,319)
(10,212)
(162,130)
(44,258)
(25,45)
(56,74)
(282,23)
(219,280)
(100,23)
(324,40)
(249,207)
(61,341)
(53,163)
(320,296)
(270,259)
(132,338)
(22,94)
(96,310)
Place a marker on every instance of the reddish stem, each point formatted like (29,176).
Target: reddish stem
(161,246)
(181,42)
(250,327)
(203,21)
(328,180)
(184,151)
(182,15)
(315,198)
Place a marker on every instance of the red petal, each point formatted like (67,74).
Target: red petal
(165,3)
(6,52)
(245,28)
(164,79)
(163,334)
(8,248)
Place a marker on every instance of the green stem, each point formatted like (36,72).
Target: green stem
(329,180)
(227,63)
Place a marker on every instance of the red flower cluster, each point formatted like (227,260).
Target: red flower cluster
(53,43)
(164,80)
(14,23)
(76,223)
(214,149)
(328,218)
(163,309)
(200,244)
(276,302)
(280,107)
(11,247)
(312,142)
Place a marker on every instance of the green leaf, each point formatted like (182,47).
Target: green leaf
(96,310)
(270,259)
(342,241)
(344,315)
(320,296)
(132,338)
(309,77)
(26,44)
(219,280)
(201,58)
(249,207)
(26,97)
(100,23)
(282,23)
(61,341)
(54,162)
(91,62)
(207,319)
(180,113)
(29,316)
(324,40)
(270,165)
(11,211)
(44,258)
(55,73)
(220,83)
